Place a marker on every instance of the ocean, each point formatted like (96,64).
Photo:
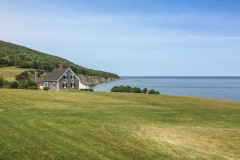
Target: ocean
(226,88)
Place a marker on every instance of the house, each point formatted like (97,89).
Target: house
(63,79)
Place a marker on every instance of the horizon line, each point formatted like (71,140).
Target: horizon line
(188,76)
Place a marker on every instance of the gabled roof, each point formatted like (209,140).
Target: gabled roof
(55,74)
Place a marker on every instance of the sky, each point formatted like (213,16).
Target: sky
(131,37)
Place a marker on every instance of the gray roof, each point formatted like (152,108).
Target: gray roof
(55,74)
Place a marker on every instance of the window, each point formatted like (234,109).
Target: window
(65,76)
(72,76)
(72,84)
(64,84)
(46,84)
(53,85)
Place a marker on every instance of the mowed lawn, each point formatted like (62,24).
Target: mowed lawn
(9,73)
(85,125)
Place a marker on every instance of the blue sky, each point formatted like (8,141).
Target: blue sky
(131,37)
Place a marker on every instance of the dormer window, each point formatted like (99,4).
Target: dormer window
(65,76)
(72,76)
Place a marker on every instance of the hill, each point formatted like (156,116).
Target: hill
(15,55)
(85,125)
(10,73)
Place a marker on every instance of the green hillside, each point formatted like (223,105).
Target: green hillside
(10,73)
(85,125)
(15,55)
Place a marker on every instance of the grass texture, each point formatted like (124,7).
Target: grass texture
(9,73)
(85,125)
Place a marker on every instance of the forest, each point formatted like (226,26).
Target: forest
(23,57)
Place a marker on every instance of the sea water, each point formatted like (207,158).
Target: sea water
(227,88)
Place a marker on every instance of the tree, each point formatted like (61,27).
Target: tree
(23,77)
(128,89)
(152,92)
(144,91)
(47,67)
(137,90)
(34,65)
(2,61)
(157,92)
(115,89)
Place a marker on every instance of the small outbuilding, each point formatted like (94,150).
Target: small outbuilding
(63,79)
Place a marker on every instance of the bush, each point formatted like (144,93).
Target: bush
(13,84)
(31,83)
(118,89)
(25,85)
(6,84)
(133,90)
(45,88)
(144,91)
(152,92)
(22,85)
(91,90)
(23,77)
(32,87)
(157,92)
(128,89)
(137,90)
(1,82)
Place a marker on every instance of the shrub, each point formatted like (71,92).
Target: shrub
(1,82)
(25,85)
(45,88)
(132,90)
(121,88)
(32,87)
(128,89)
(157,92)
(144,91)
(23,77)
(118,89)
(22,85)
(137,90)
(91,90)
(13,84)
(152,92)
(31,83)
(6,84)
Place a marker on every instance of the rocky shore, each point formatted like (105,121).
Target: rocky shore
(94,80)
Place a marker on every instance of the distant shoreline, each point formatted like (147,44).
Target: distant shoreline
(224,88)
(180,77)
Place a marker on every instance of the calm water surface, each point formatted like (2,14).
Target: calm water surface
(227,88)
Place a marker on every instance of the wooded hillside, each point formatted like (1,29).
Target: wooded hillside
(16,55)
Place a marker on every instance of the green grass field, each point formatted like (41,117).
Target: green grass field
(85,125)
(9,73)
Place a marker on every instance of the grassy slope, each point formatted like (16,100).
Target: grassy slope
(9,73)
(73,125)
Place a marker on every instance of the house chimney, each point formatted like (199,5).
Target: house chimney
(60,66)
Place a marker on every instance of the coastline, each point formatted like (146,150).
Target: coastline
(222,88)
(95,80)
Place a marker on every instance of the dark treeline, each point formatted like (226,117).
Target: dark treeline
(23,57)
(130,89)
